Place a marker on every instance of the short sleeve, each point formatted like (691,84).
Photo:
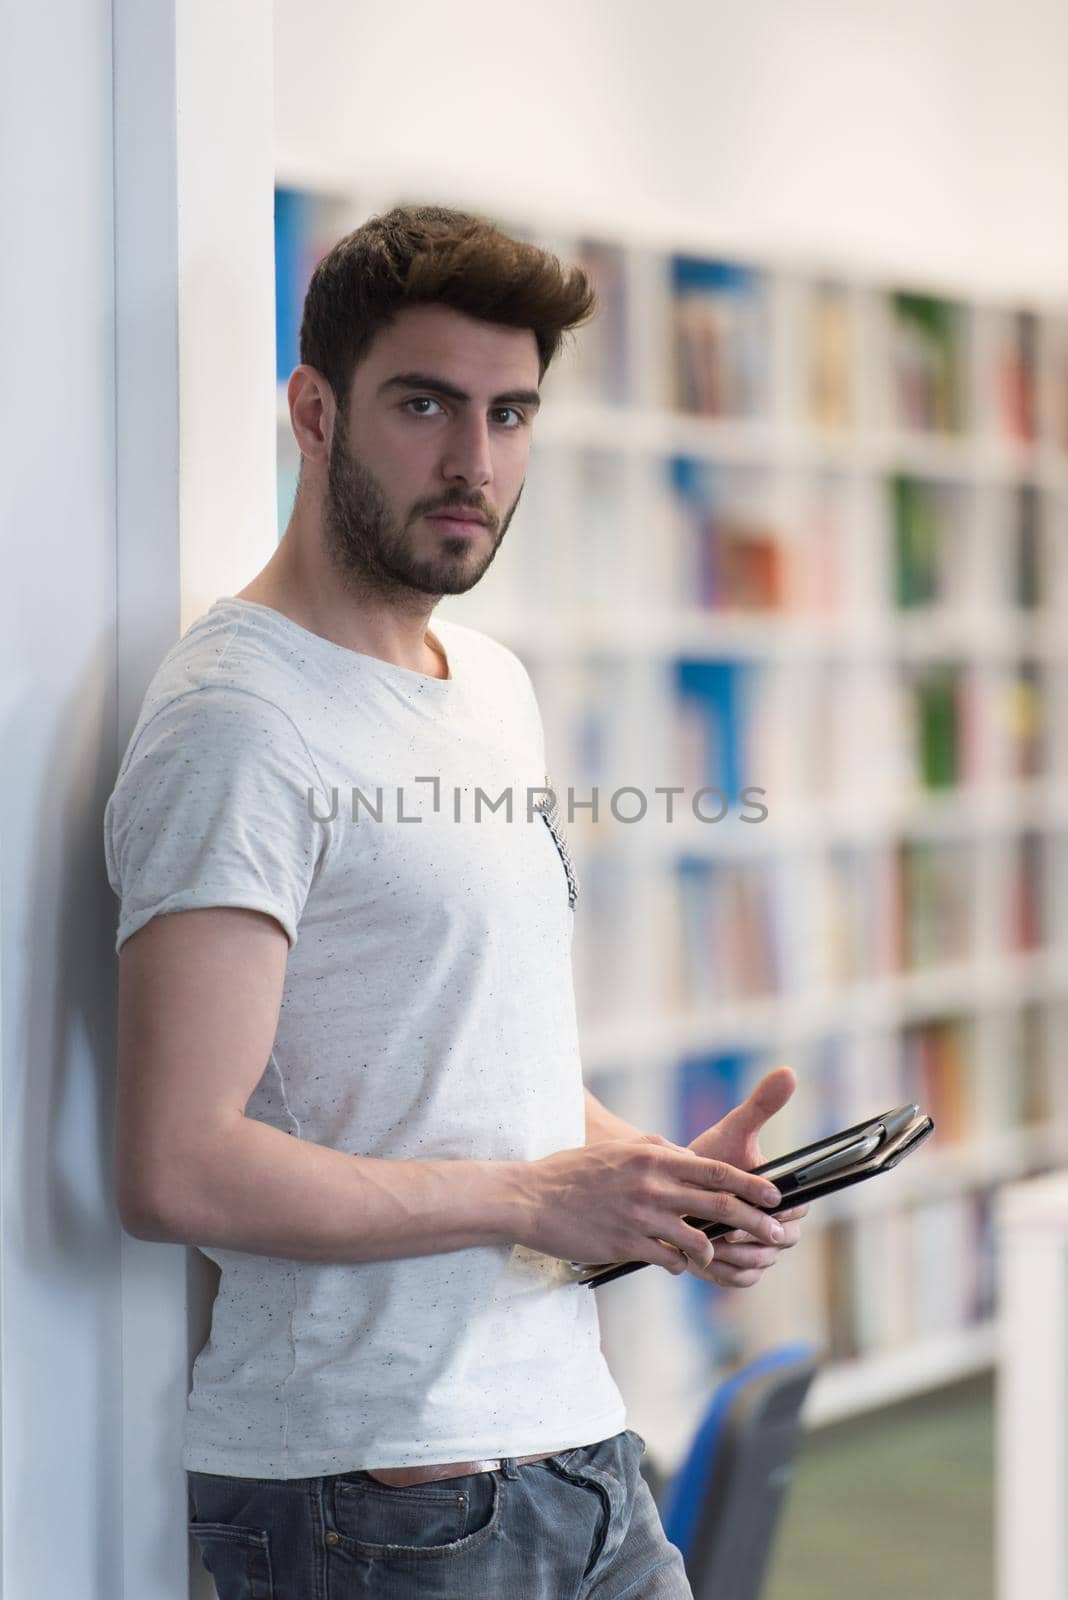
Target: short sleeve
(211,808)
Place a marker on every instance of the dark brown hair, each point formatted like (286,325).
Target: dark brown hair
(415,255)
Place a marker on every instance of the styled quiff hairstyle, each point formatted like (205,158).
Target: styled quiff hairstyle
(415,255)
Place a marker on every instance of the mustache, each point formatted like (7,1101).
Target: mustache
(479,507)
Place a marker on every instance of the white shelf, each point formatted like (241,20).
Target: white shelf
(847,1388)
(840,1390)
(933,635)
(851,820)
(629,1042)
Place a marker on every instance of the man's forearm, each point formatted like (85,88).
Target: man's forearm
(604,1124)
(254,1188)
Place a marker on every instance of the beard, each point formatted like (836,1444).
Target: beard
(373,551)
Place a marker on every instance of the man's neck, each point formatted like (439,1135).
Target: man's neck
(312,598)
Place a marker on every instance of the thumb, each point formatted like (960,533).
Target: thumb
(769,1096)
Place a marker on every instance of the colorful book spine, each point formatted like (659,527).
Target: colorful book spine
(735,552)
(1029,577)
(293,212)
(830,359)
(918,540)
(715,696)
(1016,379)
(721,337)
(928,363)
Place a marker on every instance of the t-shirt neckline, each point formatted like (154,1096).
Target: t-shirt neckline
(354,658)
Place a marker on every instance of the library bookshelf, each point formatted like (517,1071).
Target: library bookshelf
(796,539)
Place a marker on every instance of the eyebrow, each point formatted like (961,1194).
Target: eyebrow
(426,380)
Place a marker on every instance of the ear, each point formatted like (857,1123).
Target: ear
(312,413)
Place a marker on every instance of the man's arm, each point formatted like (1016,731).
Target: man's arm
(199,998)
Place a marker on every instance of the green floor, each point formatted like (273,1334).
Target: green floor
(899,1506)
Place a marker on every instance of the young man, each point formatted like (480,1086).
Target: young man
(348,1064)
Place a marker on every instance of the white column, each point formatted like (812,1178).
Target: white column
(196,518)
(1032,1392)
(60,1508)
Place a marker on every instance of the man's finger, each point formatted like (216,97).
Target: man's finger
(746,1256)
(791,1234)
(770,1095)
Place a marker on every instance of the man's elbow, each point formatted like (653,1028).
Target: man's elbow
(143,1218)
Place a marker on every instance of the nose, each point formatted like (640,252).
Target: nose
(467,453)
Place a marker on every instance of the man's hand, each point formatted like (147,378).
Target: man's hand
(741,1259)
(624,1200)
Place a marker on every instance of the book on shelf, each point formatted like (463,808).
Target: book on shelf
(733,556)
(928,363)
(594,365)
(302,236)
(1029,1073)
(826,561)
(1016,378)
(949,1238)
(1029,581)
(588,752)
(941,717)
(874,734)
(732,731)
(938,1072)
(830,355)
(1054,402)
(1022,701)
(732,929)
(852,913)
(1026,922)
(712,717)
(930,541)
(721,326)
(937,888)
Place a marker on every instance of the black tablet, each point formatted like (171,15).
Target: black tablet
(830,1164)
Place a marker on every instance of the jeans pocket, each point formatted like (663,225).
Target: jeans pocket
(239,1559)
(424,1520)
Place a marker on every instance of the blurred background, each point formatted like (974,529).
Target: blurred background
(796,519)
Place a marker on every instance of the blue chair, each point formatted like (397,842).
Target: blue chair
(722,1506)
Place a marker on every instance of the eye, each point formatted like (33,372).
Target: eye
(503,411)
(422,400)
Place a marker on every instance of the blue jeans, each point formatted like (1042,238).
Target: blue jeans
(580,1525)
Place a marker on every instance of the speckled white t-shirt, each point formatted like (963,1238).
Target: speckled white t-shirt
(427,1013)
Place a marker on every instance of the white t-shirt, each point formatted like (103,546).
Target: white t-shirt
(427,1013)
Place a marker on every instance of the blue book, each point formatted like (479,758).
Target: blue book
(719,690)
(292,231)
(698,275)
(707,1087)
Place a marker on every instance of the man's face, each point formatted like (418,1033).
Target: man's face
(439,417)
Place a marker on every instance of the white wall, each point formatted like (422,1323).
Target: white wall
(136,322)
(922,137)
(59,1270)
